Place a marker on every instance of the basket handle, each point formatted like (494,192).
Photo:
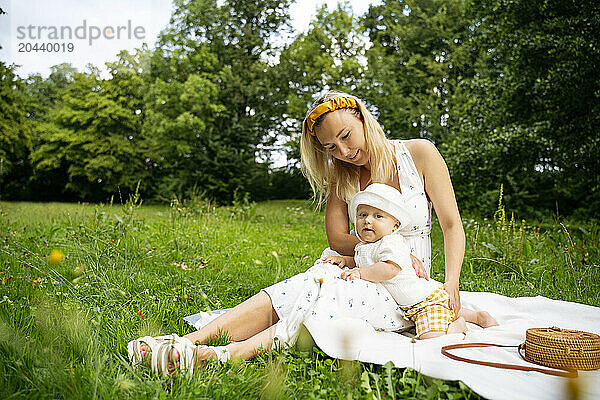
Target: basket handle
(446,352)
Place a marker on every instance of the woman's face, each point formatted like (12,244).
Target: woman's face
(343,136)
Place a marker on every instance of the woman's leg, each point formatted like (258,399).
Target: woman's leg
(245,349)
(242,322)
(249,348)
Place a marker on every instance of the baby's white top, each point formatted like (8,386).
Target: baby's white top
(406,287)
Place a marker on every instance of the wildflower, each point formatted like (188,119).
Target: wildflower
(55,283)
(6,300)
(39,282)
(200,234)
(56,256)
(79,270)
(6,279)
(140,314)
(185,267)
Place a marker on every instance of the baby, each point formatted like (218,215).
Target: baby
(383,256)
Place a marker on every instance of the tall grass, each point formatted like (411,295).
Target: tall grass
(133,270)
(555,258)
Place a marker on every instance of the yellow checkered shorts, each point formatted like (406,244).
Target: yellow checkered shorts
(432,314)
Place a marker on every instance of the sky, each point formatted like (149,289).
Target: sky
(94,31)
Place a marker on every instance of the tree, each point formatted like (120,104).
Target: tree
(211,66)
(413,65)
(533,113)
(90,138)
(329,56)
(44,96)
(15,136)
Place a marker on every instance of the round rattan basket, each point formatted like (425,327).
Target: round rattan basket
(562,348)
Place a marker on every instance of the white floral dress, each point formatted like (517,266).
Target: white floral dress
(320,293)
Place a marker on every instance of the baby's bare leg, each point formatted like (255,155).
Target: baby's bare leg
(431,334)
(481,318)
(456,326)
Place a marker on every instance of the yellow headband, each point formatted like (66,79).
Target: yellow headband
(331,105)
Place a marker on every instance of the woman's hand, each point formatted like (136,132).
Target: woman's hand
(337,260)
(419,268)
(454,302)
(350,274)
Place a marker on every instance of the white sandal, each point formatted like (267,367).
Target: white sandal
(187,356)
(222,353)
(134,349)
(161,348)
(184,347)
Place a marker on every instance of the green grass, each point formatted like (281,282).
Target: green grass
(134,270)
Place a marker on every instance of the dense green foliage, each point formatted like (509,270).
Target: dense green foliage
(131,271)
(507,90)
(413,65)
(15,143)
(533,112)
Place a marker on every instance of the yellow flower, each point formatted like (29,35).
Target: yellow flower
(56,256)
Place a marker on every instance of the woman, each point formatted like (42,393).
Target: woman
(343,150)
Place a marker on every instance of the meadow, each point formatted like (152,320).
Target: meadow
(131,270)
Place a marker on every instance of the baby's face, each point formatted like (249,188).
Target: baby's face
(372,224)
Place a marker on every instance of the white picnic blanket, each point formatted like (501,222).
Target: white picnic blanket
(356,340)
(515,316)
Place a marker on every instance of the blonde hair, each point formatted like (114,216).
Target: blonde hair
(327,174)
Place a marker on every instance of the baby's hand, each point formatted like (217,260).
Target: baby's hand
(350,274)
(337,260)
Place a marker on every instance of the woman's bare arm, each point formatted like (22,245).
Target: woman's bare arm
(337,227)
(438,187)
